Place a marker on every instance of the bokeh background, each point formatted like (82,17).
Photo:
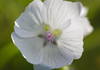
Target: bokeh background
(10,56)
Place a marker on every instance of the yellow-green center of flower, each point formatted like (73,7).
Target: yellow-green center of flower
(51,34)
(55,32)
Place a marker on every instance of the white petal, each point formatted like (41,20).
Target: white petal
(29,47)
(23,33)
(60,12)
(74,28)
(87,27)
(31,19)
(37,9)
(84,24)
(57,13)
(52,11)
(73,9)
(28,33)
(84,10)
(79,9)
(72,39)
(73,47)
(54,58)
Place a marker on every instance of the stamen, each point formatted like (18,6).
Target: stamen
(57,32)
(46,27)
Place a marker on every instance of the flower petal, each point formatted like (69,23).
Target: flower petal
(31,19)
(72,39)
(84,25)
(29,47)
(79,9)
(37,9)
(53,58)
(73,9)
(84,11)
(74,47)
(26,33)
(52,11)
(59,12)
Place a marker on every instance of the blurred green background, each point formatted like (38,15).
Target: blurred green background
(10,56)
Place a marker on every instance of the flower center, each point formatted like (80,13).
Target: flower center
(50,35)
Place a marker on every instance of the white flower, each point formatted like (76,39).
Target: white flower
(51,32)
